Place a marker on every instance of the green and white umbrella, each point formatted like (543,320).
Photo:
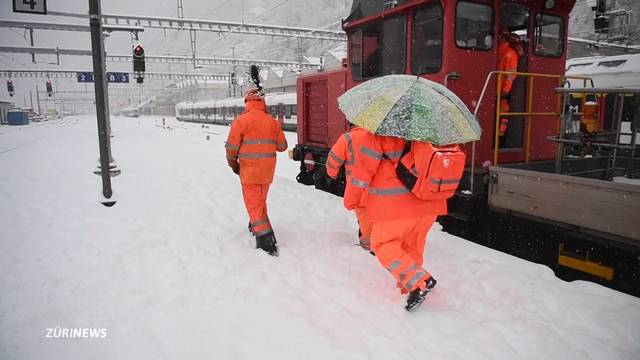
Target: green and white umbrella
(410,108)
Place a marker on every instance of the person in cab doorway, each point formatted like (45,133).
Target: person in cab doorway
(400,220)
(342,154)
(509,52)
(251,148)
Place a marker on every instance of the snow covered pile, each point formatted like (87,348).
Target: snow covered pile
(170,271)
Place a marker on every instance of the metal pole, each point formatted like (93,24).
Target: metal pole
(102,114)
(55,104)
(33,55)
(38,100)
(31,99)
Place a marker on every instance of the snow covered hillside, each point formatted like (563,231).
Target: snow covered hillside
(171,273)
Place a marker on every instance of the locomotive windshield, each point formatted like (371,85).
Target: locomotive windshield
(426,40)
(474,26)
(378,49)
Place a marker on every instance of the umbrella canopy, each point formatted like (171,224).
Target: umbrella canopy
(410,108)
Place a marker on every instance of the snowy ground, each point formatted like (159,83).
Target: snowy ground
(170,271)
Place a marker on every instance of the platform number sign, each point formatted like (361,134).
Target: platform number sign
(85,77)
(111,77)
(117,77)
(30,6)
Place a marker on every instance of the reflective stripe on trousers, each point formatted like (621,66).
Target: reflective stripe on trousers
(255,201)
(411,275)
(261,226)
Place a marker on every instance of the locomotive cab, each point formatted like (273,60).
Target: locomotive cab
(454,43)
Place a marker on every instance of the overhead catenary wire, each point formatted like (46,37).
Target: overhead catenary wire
(223,37)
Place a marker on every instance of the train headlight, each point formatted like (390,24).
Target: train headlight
(549,4)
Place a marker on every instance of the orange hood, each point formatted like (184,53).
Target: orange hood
(255,104)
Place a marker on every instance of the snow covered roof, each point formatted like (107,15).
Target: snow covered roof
(616,70)
(313,60)
(338,54)
(279,73)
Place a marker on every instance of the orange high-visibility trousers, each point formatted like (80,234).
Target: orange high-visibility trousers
(255,200)
(504,121)
(399,247)
(365,227)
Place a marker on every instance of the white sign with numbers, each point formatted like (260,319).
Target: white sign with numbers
(30,6)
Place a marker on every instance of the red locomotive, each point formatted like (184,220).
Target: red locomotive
(456,43)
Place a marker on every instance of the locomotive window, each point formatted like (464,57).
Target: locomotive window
(474,26)
(378,49)
(426,40)
(287,110)
(549,35)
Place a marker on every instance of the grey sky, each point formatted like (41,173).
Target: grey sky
(159,42)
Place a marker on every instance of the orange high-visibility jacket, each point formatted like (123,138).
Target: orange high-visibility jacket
(343,153)
(507,61)
(387,198)
(253,140)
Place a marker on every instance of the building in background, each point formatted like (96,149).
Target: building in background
(604,27)
(5,105)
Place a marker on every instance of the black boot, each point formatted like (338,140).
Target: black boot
(267,242)
(417,296)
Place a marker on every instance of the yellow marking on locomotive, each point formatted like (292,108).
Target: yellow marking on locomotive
(585,265)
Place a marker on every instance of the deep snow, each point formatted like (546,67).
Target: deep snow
(171,273)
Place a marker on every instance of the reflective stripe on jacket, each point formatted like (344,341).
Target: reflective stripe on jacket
(375,173)
(253,140)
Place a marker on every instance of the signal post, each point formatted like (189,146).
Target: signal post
(102,100)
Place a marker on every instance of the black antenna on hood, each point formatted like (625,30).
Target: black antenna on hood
(254,73)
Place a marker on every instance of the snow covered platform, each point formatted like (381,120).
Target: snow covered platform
(170,271)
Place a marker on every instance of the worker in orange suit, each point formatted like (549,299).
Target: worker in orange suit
(509,52)
(342,154)
(251,147)
(400,220)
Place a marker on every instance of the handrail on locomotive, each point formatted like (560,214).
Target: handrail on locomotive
(562,79)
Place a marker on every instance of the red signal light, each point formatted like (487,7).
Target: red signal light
(138,50)
(138,59)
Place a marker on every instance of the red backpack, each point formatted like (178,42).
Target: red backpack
(431,172)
